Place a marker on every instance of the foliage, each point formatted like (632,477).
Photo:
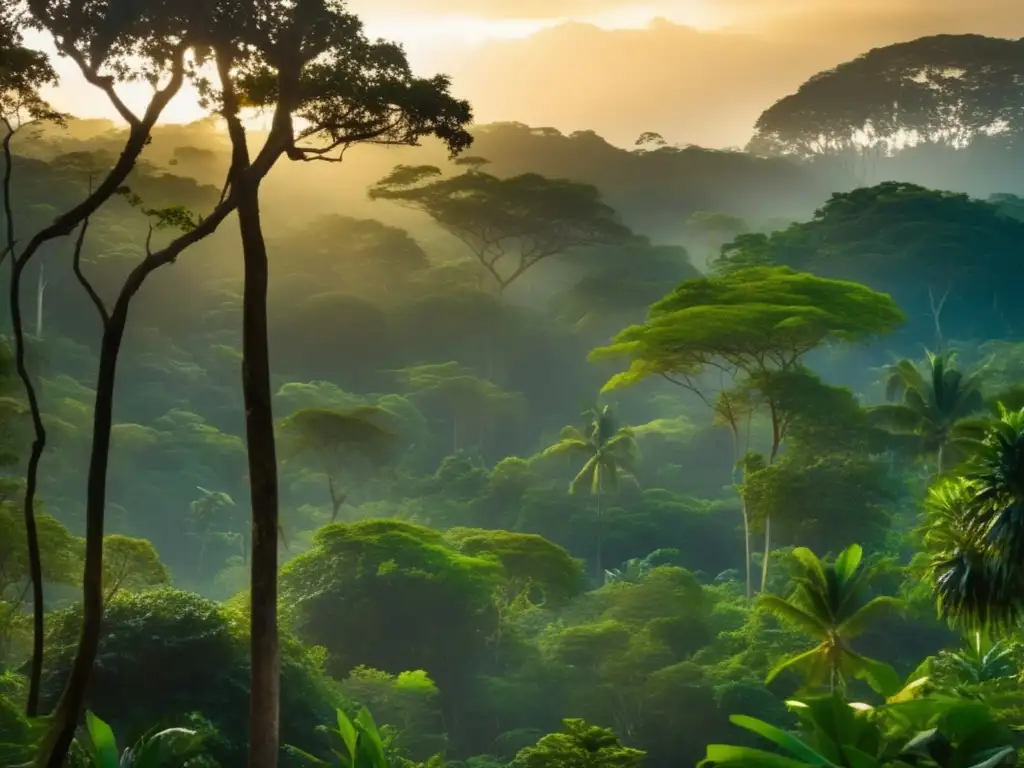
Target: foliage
(579,745)
(164,654)
(361,739)
(938,730)
(930,405)
(509,224)
(98,749)
(950,89)
(830,603)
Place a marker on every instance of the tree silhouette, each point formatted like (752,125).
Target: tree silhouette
(336,438)
(509,224)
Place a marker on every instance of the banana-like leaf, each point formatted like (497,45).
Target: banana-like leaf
(748,757)
(794,614)
(868,613)
(787,741)
(101,738)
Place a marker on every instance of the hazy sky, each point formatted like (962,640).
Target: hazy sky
(697,71)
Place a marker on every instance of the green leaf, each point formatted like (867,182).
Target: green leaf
(104,745)
(794,615)
(848,562)
(305,755)
(882,678)
(867,613)
(748,757)
(810,656)
(783,739)
(347,732)
(151,750)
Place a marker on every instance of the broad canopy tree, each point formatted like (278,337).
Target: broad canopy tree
(943,89)
(945,258)
(510,224)
(735,339)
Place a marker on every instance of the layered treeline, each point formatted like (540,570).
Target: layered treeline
(454,559)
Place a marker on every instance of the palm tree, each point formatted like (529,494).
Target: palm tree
(608,450)
(830,603)
(929,403)
(974,533)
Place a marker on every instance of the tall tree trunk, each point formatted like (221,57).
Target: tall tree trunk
(600,537)
(767,552)
(65,718)
(259,429)
(940,459)
(35,564)
(746,546)
(40,290)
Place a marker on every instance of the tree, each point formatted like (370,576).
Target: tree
(347,91)
(608,450)
(338,438)
(466,399)
(579,745)
(974,536)
(830,603)
(284,58)
(131,564)
(750,328)
(509,224)
(23,72)
(930,404)
(207,513)
(922,246)
(942,89)
(716,228)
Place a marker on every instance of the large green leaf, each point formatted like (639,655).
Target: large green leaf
(104,745)
(848,561)
(780,737)
(868,613)
(880,676)
(153,749)
(811,658)
(784,609)
(748,757)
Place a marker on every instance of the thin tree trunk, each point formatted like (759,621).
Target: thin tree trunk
(65,718)
(259,428)
(40,289)
(767,552)
(746,546)
(940,459)
(35,564)
(600,537)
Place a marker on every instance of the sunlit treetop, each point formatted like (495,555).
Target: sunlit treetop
(943,89)
(23,72)
(309,58)
(750,320)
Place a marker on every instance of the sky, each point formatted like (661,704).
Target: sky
(696,71)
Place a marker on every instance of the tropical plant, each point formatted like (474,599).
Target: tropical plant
(363,743)
(634,569)
(830,603)
(935,731)
(162,749)
(974,533)
(579,745)
(930,402)
(980,660)
(608,450)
